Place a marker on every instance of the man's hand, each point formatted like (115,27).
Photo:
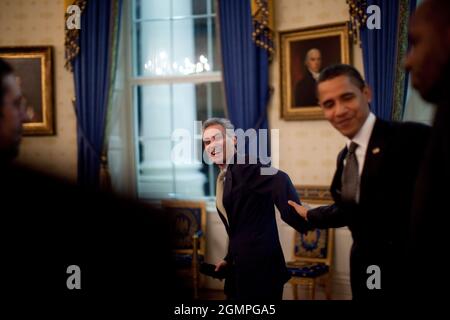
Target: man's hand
(300,209)
(221,264)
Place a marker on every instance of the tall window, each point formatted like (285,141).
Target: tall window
(176,81)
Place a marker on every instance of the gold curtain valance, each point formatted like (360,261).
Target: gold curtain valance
(71,45)
(262,16)
(358,17)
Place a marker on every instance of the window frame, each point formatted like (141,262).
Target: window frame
(135,80)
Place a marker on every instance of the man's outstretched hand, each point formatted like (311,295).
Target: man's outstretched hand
(301,210)
(219,265)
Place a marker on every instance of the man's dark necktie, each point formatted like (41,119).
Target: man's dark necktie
(350,175)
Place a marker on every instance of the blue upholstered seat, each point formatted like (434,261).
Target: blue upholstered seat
(311,270)
(185,260)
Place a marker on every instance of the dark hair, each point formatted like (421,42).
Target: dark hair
(5,70)
(437,12)
(337,70)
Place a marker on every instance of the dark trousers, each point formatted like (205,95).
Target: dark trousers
(252,289)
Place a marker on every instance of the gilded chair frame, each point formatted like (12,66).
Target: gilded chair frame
(311,282)
(198,240)
(191,205)
(315,195)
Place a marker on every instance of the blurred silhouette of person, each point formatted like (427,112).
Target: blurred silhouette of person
(429,64)
(11,114)
(121,247)
(305,89)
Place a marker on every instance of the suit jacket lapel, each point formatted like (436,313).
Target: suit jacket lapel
(224,220)
(374,155)
(336,184)
(228,185)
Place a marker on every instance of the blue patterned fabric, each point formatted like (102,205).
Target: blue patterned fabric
(186,222)
(313,244)
(185,260)
(307,270)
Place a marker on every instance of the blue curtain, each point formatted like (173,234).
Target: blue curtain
(379,48)
(245,67)
(411,7)
(92,75)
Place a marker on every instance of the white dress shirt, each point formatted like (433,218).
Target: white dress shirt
(315,75)
(362,139)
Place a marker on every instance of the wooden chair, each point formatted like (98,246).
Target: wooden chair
(312,263)
(189,226)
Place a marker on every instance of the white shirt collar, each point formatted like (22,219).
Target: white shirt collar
(315,75)
(363,136)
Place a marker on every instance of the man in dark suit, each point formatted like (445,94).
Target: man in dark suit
(245,197)
(373,184)
(429,63)
(305,89)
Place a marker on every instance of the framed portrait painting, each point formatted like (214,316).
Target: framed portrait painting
(304,54)
(34,73)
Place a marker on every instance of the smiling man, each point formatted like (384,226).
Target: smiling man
(245,199)
(373,184)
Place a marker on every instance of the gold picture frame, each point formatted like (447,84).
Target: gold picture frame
(33,68)
(297,80)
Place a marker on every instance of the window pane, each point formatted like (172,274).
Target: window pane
(178,47)
(151,9)
(183,8)
(161,9)
(218,100)
(194,45)
(216,61)
(184,46)
(213,92)
(154,103)
(156,175)
(153,47)
(175,37)
(170,147)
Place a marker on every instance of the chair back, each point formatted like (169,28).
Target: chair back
(314,246)
(188,218)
